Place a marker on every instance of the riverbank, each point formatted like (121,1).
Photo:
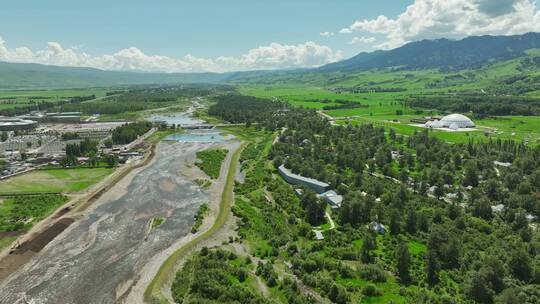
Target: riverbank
(160,277)
(29,244)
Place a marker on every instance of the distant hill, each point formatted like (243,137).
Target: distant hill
(442,54)
(34,76)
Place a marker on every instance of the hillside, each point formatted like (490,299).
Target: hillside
(34,76)
(442,54)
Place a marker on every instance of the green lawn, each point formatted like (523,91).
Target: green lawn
(55,180)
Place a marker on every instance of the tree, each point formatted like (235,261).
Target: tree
(482,209)
(403,259)
(111,160)
(368,245)
(338,294)
(432,268)
(108,143)
(450,253)
(314,208)
(3,136)
(494,273)
(410,222)
(395,223)
(520,265)
(509,296)
(477,289)
(471,175)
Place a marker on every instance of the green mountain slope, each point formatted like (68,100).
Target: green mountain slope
(442,54)
(30,76)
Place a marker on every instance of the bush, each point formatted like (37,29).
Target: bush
(373,273)
(372,291)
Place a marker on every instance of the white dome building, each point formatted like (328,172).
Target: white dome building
(452,121)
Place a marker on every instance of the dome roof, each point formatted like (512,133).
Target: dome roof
(455,118)
(459,120)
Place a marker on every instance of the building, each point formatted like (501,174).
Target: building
(377,227)
(310,183)
(13,124)
(64,117)
(318,235)
(332,198)
(452,121)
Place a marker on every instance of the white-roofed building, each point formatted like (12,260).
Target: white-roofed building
(452,121)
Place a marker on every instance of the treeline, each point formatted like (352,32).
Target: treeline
(480,105)
(344,104)
(139,99)
(359,90)
(45,105)
(245,109)
(129,132)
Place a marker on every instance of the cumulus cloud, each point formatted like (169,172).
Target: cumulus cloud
(326,34)
(366,40)
(273,56)
(431,19)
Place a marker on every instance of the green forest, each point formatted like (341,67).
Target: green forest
(459,219)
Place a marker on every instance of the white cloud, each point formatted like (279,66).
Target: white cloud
(273,56)
(326,34)
(366,40)
(430,19)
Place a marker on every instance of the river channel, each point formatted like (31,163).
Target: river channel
(97,258)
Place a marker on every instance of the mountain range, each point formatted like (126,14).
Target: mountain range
(442,54)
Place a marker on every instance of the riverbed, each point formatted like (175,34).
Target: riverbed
(97,259)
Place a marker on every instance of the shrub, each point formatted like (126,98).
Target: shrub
(373,272)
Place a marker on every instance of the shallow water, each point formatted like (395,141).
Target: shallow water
(96,256)
(197,136)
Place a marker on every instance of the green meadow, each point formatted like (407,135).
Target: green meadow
(54,180)
(19,98)
(386,109)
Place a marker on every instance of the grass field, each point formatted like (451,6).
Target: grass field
(18,98)
(381,109)
(55,180)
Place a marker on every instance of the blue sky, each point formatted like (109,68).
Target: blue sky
(203,28)
(225,35)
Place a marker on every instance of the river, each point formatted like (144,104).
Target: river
(97,258)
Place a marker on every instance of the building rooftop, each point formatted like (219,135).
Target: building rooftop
(300,177)
(333,198)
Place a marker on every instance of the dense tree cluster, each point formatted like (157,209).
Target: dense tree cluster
(46,105)
(220,276)
(129,132)
(480,105)
(244,109)
(87,148)
(143,98)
